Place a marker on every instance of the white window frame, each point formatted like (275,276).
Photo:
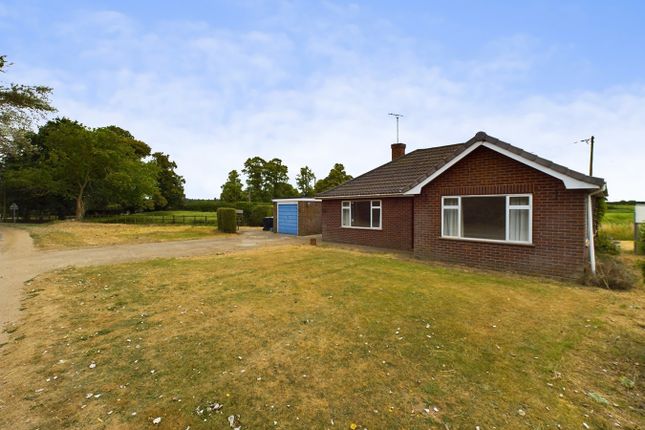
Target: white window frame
(506,221)
(346,205)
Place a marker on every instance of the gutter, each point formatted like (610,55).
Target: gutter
(592,246)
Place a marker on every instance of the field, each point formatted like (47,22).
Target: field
(72,234)
(618,222)
(325,339)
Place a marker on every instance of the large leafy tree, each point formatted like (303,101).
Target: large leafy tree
(254,171)
(102,168)
(305,181)
(171,185)
(276,179)
(266,180)
(336,176)
(232,188)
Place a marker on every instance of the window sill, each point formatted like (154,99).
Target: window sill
(361,228)
(498,242)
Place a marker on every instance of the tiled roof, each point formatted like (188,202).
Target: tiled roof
(400,175)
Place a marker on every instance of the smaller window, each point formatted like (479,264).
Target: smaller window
(519,216)
(450,217)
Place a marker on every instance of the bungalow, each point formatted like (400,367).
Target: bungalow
(482,203)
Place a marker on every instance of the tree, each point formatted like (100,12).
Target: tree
(232,189)
(276,179)
(170,184)
(336,176)
(254,171)
(20,107)
(98,167)
(305,181)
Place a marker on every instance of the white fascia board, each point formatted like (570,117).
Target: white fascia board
(569,182)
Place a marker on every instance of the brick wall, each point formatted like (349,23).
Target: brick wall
(396,220)
(309,218)
(558,247)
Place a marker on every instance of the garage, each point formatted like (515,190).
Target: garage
(298,216)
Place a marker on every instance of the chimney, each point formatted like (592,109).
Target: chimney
(398,150)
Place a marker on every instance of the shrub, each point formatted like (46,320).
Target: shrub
(201,205)
(613,274)
(226,220)
(257,213)
(605,244)
(641,241)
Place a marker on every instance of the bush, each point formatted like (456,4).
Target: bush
(641,241)
(227,220)
(257,214)
(613,274)
(605,244)
(200,205)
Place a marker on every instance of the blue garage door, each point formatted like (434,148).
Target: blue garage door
(288,218)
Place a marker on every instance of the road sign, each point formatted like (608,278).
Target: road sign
(639,220)
(639,213)
(14,208)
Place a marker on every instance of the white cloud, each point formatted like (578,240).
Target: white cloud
(212,97)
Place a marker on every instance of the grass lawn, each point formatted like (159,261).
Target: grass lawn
(71,234)
(320,338)
(618,221)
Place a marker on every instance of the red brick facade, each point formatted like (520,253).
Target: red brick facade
(396,222)
(558,246)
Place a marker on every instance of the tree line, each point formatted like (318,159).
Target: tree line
(267,180)
(66,167)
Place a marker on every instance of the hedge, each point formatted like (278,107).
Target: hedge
(227,220)
(254,212)
(257,214)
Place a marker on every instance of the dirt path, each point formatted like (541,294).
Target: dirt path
(20,261)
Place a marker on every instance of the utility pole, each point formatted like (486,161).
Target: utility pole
(589,141)
(591,157)
(397,116)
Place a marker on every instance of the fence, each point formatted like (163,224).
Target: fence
(35,219)
(156,219)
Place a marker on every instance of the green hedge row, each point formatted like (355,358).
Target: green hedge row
(253,212)
(227,220)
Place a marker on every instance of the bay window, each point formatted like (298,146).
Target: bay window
(505,218)
(361,214)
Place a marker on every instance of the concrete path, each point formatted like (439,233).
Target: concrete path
(20,261)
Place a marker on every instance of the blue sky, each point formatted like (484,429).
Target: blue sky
(213,83)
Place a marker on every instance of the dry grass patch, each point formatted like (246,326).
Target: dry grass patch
(320,338)
(72,234)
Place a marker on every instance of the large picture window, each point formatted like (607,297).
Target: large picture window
(496,218)
(361,214)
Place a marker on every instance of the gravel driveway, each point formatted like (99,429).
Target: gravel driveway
(20,261)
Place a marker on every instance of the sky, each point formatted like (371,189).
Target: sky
(213,83)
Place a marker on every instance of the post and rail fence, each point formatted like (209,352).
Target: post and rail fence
(155,219)
(122,219)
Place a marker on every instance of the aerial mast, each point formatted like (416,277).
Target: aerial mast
(397,116)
